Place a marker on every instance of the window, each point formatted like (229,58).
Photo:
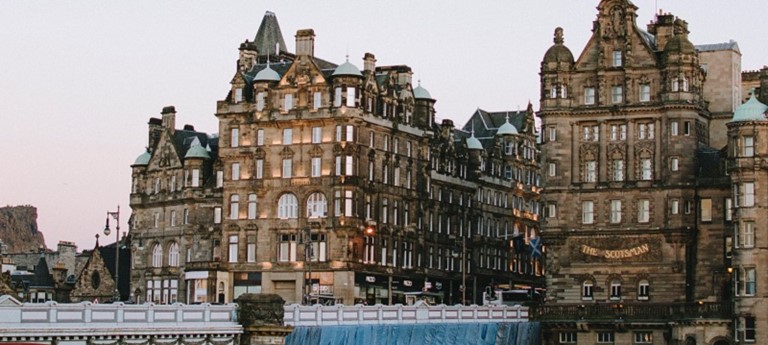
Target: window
(618,170)
(674,164)
(350,96)
(287,206)
(186,216)
(587,212)
(644,337)
(233,248)
(234,206)
(645,93)
(617,58)
(646,169)
(337,97)
(589,95)
(317,135)
(749,147)
(615,211)
(217,215)
(173,218)
(317,205)
(674,206)
(259,168)
(235,137)
(318,99)
(728,212)
(238,95)
(643,211)
(551,210)
(157,255)
(195,177)
(316,166)
(687,128)
(643,290)
(590,171)
(219,179)
(747,238)
(552,169)
(251,248)
(344,205)
(567,337)
(749,329)
(408,149)
(157,220)
(173,255)
(235,171)
(252,206)
(260,137)
(688,207)
(260,101)
(706,210)
(369,249)
(748,194)
(586,291)
(552,133)
(287,136)
(750,282)
(615,289)
(674,128)
(319,248)
(286,248)
(287,167)
(617,94)
(288,102)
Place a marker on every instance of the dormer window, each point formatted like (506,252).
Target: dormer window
(617,61)
(238,95)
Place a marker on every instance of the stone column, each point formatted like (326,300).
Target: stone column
(261,316)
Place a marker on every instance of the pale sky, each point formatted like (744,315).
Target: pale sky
(80,79)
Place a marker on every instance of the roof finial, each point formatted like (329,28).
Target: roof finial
(559,35)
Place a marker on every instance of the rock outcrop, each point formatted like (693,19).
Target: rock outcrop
(18,229)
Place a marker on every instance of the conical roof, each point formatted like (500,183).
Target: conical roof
(267,74)
(196,150)
(558,52)
(507,128)
(269,36)
(143,159)
(751,110)
(347,68)
(421,93)
(474,143)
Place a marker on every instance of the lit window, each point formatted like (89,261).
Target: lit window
(615,290)
(287,136)
(643,211)
(589,95)
(287,206)
(643,290)
(233,248)
(587,212)
(706,210)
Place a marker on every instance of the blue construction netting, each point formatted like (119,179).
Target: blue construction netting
(517,333)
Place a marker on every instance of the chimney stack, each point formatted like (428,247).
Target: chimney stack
(169,118)
(369,62)
(305,42)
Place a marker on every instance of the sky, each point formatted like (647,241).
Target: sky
(80,79)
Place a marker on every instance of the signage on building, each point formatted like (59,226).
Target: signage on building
(370,279)
(407,283)
(616,254)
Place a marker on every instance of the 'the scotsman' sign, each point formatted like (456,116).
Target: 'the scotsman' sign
(616,254)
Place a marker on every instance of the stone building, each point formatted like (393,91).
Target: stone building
(95,283)
(327,183)
(639,208)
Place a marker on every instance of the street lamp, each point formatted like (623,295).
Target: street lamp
(107,231)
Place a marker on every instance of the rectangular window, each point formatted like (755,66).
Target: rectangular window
(286,250)
(617,58)
(251,249)
(318,99)
(350,133)
(395,145)
(605,338)
(260,101)
(195,177)
(186,216)
(590,173)
(674,207)
(749,147)
(567,337)
(173,218)
(551,210)
(615,211)
(287,136)
(408,149)
(675,164)
(337,97)
(747,237)
(617,94)
(259,168)
(287,168)
(552,169)
(350,96)
(750,282)
(587,212)
(238,95)
(645,93)
(643,211)
(623,132)
(642,130)
(235,137)
(235,171)
(317,135)
(587,291)
(643,290)
(316,165)
(687,128)
(615,290)
(644,337)
(217,215)
(288,102)
(348,166)
(552,133)
(589,95)
(646,166)
(749,194)
(728,212)
(749,329)
(674,128)
(233,248)
(706,210)
(618,170)
(260,137)
(219,179)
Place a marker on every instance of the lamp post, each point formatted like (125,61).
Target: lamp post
(107,231)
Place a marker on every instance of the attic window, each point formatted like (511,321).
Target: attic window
(617,61)
(238,95)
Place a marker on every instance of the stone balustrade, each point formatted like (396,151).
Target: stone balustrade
(335,315)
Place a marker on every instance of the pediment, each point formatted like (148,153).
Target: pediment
(165,155)
(303,72)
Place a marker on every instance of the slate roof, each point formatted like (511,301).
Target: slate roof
(124,279)
(182,139)
(487,123)
(732,45)
(269,35)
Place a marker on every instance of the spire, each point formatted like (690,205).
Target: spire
(269,38)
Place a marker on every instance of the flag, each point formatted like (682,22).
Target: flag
(535,247)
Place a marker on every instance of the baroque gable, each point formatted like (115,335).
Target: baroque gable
(166,156)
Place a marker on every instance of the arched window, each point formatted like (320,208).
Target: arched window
(586,290)
(643,290)
(157,255)
(173,255)
(287,206)
(252,206)
(615,289)
(234,206)
(317,205)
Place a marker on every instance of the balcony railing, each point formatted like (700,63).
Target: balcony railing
(631,311)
